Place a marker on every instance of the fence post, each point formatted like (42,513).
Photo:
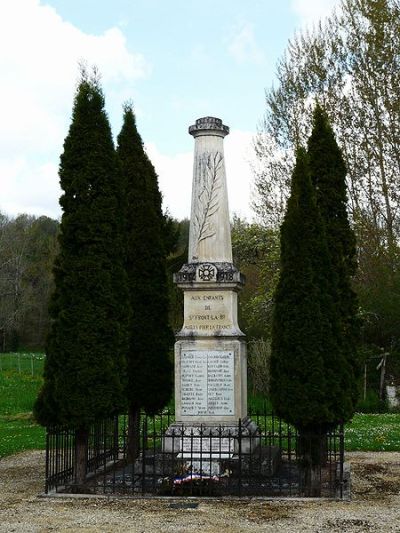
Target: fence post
(341,445)
(46,486)
(289,452)
(144,442)
(115,453)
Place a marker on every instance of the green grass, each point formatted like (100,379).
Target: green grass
(17,392)
(258,404)
(18,434)
(18,431)
(373,432)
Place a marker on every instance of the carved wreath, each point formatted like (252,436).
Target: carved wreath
(207,200)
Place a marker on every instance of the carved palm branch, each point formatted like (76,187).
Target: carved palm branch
(208,198)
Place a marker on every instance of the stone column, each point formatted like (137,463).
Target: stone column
(210,232)
(210,352)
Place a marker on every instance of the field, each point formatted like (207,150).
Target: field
(26,363)
(20,380)
(373,432)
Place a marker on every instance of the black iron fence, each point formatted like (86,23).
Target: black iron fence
(261,457)
(103,450)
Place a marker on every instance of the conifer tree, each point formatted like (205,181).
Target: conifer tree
(85,369)
(149,364)
(328,175)
(310,378)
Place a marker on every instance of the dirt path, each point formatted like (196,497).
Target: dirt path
(375,506)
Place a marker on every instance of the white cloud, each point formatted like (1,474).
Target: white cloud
(243,46)
(27,188)
(175,180)
(175,176)
(238,155)
(311,11)
(38,73)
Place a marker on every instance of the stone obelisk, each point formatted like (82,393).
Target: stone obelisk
(210,352)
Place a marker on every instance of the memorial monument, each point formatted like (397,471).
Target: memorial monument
(210,351)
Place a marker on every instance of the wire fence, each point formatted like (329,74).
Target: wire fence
(23,363)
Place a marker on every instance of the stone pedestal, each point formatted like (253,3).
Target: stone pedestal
(210,352)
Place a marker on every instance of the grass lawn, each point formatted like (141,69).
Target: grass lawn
(373,432)
(18,431)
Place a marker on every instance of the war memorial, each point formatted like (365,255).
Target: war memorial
(210,352)
(210,444)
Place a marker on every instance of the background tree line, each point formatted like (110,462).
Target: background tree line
(28,246)
(350,64)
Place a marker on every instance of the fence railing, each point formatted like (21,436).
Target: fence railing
(23,363)
(177,460)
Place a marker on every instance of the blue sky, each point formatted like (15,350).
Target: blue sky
(208,57)
(177,60)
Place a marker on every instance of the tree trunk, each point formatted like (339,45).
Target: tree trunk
(312,452)
(81,448)
(133,433)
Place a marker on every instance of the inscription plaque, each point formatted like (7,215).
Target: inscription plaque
(206,444)
(207,383)
(207,312)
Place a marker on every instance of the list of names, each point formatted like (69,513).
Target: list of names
(207,383)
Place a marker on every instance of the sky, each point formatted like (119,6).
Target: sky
(176,60)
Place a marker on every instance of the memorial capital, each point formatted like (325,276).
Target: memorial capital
(209,126)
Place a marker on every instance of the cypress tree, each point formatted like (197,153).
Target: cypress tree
(85,369)
(149,364)
(309,375)
(328,174)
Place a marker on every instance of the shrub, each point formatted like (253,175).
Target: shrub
(259,366)
(372,404)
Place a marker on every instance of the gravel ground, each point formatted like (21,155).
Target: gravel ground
(375,505)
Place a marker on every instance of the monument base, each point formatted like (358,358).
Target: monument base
(211,438)
(207,449)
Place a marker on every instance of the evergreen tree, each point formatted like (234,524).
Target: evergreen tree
(328,174)
(149,364)
(310,378)
(85,370)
